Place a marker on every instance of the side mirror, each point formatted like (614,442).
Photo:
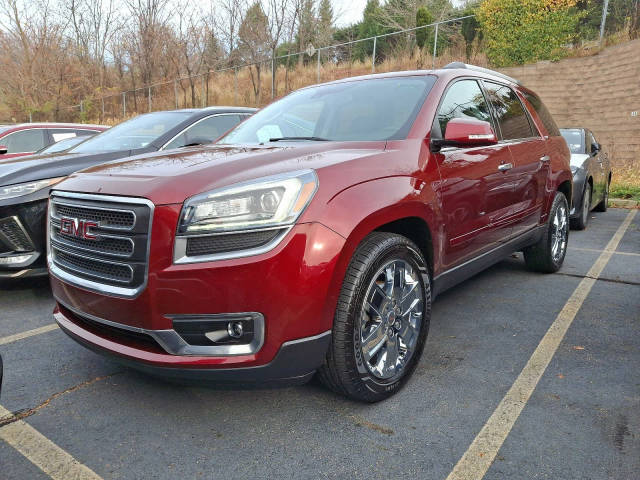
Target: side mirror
(595,148)
(465,132)
(3,149)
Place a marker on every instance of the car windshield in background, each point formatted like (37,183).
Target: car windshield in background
(377,109)
(133,134)
(63,144)
(574,139)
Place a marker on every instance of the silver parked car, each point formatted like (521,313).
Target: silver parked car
(591,175)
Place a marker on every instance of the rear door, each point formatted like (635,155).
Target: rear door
(529,159)
(475,197)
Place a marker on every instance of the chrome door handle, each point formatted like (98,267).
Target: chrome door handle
(546,158)
(505,166)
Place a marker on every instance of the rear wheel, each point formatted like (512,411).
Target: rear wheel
(580,223)
(381,320)
(548,253)
(602,206)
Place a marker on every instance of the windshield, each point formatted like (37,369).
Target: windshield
(374,109)
(132,134)
(574,139)
(63,144)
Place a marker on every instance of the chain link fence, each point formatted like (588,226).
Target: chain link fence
(258,83)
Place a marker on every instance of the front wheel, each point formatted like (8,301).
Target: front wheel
(381,321)
(548,253)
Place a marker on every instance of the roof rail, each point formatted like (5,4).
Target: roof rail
(453,65)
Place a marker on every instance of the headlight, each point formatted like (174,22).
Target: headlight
(20,189)
(262,203)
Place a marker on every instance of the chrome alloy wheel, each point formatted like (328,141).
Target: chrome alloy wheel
(390,319)
(559,233)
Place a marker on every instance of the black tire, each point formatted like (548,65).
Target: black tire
(541,257)
(346,370)
(580,223)
(602,206)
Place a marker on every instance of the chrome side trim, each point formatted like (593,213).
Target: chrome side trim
(174,344)
(180,248)
(89,284)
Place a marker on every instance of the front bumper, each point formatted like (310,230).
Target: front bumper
(292,287)
(295,363)
(23,234)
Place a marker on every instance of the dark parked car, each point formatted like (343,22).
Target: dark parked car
(313,236)
(591,175)
(25,182)
(28,138)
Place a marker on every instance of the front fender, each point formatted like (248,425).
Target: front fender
(360,209)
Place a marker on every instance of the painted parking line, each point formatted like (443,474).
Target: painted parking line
(595,250)
(42,452)
(481,453)
(28,333)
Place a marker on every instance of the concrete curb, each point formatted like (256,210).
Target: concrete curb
(623,203)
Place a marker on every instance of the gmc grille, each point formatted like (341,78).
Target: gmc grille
(110,257)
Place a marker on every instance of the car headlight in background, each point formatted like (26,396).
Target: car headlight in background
(261,203)
(20,189)
(243,219)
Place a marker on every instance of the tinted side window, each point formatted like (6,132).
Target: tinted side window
(84,133)
(543,113)
(464,99)
(509,112)
(25,141)
(205,131)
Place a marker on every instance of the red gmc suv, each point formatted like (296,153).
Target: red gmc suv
(315,235)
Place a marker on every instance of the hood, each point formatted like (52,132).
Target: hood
(171,177)
(38,167)
(577,159)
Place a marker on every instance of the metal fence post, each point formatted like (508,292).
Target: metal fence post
(319,50)
(124,104)
(373,56)
(175,92)
(202,91)
(235,85)
(149,97)
(102,118)
(273,75)
(435,45)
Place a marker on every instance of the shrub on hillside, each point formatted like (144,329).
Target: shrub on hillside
(523,31)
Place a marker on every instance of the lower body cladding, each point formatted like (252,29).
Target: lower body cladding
(22,237)
(264,319)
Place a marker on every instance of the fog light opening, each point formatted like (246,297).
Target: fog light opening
(235,329)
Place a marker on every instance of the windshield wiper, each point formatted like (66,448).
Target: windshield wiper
(315,139)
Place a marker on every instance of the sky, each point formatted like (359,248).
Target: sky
(350,11)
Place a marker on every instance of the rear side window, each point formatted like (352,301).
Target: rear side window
(84,133)
(543,113)
(205,131)
(510,115)
(24,141)
(464,99)
(62,133)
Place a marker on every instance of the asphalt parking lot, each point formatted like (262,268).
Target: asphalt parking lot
(69,413)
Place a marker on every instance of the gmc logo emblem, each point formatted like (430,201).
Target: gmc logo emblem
(77,228)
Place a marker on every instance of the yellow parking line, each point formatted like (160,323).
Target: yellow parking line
(595,250)
(480,455)
(28,333)
(42,452)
